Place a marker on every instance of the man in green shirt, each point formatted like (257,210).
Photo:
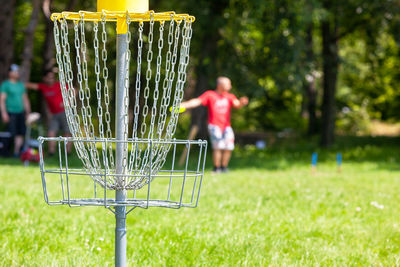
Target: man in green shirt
(14,105)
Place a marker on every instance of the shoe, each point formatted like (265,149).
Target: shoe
(224,170)
(216,170)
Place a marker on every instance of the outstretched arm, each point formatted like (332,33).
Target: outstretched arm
(192,103)
(32,86)
(27,105)
(4,114)
(241,102)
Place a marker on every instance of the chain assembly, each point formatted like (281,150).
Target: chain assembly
(158,85)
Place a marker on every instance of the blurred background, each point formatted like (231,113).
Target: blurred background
(311,68)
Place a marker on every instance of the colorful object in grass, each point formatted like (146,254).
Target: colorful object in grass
(339,161)
(314,159)
(30,154)
(179,110)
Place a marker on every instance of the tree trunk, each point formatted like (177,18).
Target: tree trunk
(48,54)
(311,90)
(49,60)
(49,46)
(330,71)
(199,115)
(206,68)
(27,53)
(6,37)
(309,84)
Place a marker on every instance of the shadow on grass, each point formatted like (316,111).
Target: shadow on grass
(288,153)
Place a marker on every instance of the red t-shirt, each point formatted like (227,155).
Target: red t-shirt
(219,107)
(53,96)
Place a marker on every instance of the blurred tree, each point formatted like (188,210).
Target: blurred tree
(264,45)
(48,46)
(330,58)
(309,82)
(343,18)
(6,36)
(27,53)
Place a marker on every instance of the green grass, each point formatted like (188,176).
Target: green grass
(269,210)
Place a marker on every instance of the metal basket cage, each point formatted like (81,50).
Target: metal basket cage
(66,182)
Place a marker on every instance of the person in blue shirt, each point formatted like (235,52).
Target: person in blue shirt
(14,106)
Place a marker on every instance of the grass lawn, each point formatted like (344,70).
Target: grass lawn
(269,210)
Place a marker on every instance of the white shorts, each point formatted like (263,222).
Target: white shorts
(224,140)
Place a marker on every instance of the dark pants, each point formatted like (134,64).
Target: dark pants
(16,125)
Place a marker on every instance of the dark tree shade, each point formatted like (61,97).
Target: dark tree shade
(6,36)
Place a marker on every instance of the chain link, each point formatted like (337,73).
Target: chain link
(69,92)
(135,154)
(148,77)
(107,114)
(183,62)
(126,99)
(157,81)
(91,133)
(166,83)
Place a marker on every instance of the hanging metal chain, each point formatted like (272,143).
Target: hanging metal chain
(172,77)
(138,77)
(166,88)
(107,114)
(146,93)
(64,66)
(82,76)
(156,92)
(148,76)
(173,40)
(163,149)
(134,155)
(151,150)
(69,76)
(183,63)
(72,114)
(167,84)
(126,99)
(98,88)
(84,92)
(98,83)
(61,74)
(87,118)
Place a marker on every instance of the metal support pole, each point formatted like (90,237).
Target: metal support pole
(121,133)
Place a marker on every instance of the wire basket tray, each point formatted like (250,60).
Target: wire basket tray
(66,182)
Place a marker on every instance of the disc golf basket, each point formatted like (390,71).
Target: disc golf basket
(136,166)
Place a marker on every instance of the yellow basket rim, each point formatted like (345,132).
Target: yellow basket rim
(118,15)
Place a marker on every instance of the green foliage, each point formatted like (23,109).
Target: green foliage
(355,120)
(372,74)
(261,45)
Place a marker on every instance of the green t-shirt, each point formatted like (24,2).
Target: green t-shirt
(14,93)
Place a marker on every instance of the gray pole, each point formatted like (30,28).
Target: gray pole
(121,133)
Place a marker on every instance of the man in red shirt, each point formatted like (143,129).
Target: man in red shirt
(51,90)
(219,103)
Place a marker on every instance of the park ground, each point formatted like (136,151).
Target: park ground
(268,210)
